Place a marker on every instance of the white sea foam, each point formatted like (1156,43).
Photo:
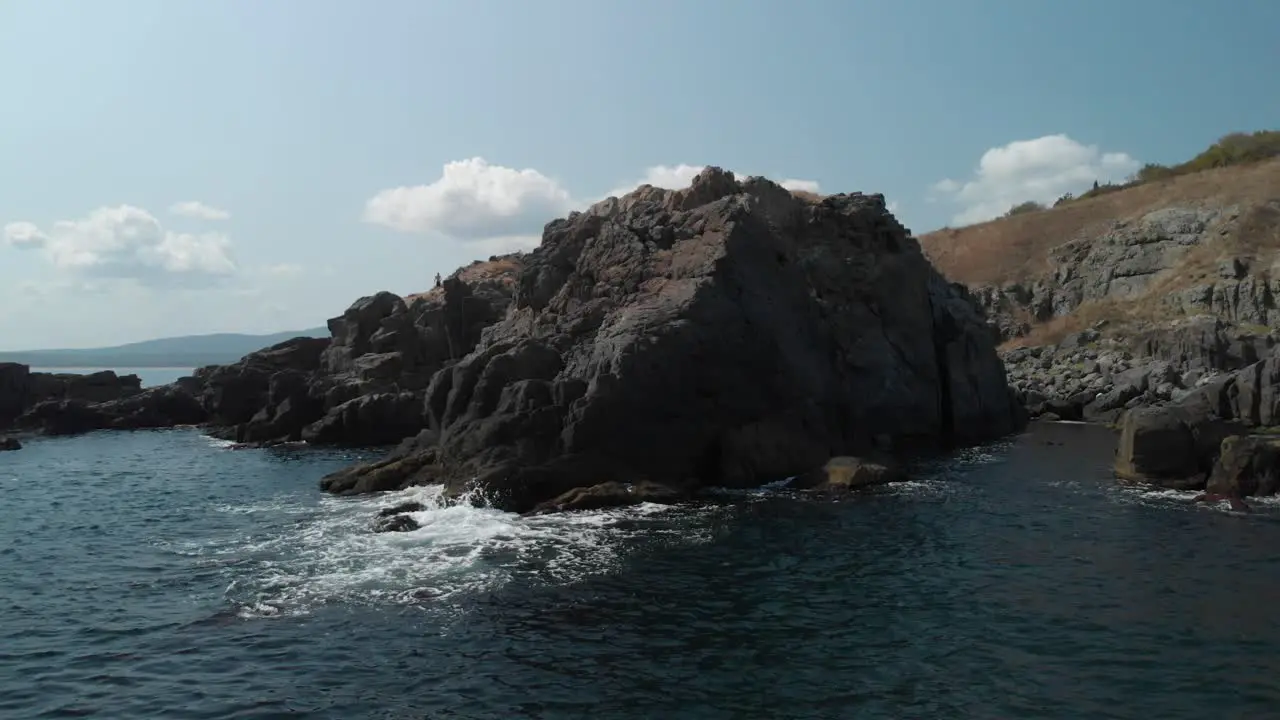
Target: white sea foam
(315,555)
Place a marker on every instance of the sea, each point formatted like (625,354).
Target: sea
(165,574)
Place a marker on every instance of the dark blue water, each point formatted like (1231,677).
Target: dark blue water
(161,575)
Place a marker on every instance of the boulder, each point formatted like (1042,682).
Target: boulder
(1247,465)
(726,334)
(1177,445)
(395,523)
(8,444)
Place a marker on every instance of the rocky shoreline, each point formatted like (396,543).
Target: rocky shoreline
(727,334)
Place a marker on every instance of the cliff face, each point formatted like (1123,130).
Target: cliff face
(1184,272)
(725,334)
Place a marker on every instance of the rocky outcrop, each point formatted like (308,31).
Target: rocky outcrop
(164,406)
(29,400)
(366,384)
(1196,441)
(725,334)
(1246,465)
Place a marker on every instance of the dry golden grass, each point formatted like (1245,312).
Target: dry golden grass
(1086,316)
(1017,248)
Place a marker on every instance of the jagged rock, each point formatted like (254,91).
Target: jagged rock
(728,333)
(1247,465)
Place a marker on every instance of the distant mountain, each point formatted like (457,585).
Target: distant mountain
(190,351)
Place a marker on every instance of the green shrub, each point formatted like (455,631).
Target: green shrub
(1152,172)
(1026,207)
(1235,149)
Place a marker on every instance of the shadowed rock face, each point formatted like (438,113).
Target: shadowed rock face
(725,334)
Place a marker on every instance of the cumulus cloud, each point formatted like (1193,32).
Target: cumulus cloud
(126,242)
(496,209)
(198,210)
(24,235)
(1042,170)
(472,200)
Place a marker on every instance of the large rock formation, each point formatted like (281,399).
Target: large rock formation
(725,334)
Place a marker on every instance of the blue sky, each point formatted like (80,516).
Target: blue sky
(247,165)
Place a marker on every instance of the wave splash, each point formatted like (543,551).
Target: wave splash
(315,556)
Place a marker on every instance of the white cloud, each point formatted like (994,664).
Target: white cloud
(283,270)
(24,235)
(198,210)
(126,242)
(802,185)
(1042,170)
(472,200)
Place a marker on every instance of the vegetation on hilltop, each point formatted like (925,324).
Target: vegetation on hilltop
(1237,148)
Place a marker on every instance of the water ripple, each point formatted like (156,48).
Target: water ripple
(162,575)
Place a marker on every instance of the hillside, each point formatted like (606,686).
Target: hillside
(1130,255)
(1175,277)
(188,351)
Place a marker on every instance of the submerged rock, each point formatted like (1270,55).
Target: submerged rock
(726,334)
(395,523)
(613,494)
(845,474)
